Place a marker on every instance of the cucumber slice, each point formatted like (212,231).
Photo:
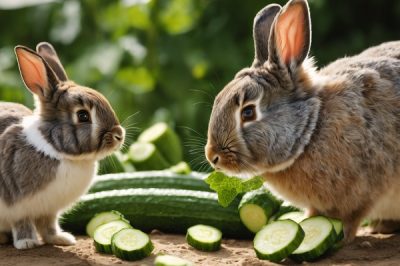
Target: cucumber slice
(169,260)
(256,208)
(320,236)
(145,156)
(103,234)
(103,218)
(277,240)
(295,216)
(131,244)
(166,141)
(338,226)
(181,168)
(204,237)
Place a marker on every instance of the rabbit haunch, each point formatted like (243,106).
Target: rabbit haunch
(332,136)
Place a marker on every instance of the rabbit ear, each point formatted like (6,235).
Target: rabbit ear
(36,74)
(47,51)
(291,34)
(261,31)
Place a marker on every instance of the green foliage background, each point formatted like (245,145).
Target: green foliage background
(167,59)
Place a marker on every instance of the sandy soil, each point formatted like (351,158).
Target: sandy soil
(366,250)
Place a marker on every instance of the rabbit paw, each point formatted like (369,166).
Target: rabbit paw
(26,243)
(384,227)
(61,239)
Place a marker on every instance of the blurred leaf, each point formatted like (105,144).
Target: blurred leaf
(120,18)
(131,44)
(68,25)
(137,80)
(14,4)
(179,16)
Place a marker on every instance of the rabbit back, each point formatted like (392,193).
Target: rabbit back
(11,113)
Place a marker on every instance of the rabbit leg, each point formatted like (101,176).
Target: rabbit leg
(24,234)
(351,223)
(51,232)
(384,226)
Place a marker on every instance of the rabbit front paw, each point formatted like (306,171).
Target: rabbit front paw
(61,239)
(26,243)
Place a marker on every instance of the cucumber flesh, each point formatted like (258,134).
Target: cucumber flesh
(277,240)
(181,168)
(145,156)
(166,141)
(204,237)
(131,244)
(169,260)
(295,216)
(103,218)
(320,236)
(103,234)
(256,208)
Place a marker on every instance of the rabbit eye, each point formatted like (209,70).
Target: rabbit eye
(248,113)
(83,116)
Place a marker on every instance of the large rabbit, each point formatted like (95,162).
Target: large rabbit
(326,140)
(48,156)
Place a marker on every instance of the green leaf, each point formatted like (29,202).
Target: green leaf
(228,187)
(252,184)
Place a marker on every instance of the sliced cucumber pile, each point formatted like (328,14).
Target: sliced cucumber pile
(277,240)
(204,237)
(320,235)
(256,208)
(103,234)
(296,216)
(103,218)
(169,260)
(131,244)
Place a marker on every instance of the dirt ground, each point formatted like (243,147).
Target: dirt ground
(366,250)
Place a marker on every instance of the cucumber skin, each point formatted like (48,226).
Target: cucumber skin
(102,248)
(131,255)
(203,247)
(282,254)
(168,144)
(314,254)
(168,210)
(262,198)
(150,179)
(156,161)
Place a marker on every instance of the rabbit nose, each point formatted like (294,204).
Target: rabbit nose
(118,133)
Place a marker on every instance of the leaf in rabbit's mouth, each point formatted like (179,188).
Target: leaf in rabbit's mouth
(228,187)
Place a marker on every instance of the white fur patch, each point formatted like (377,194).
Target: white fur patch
(34,137)
(72,180)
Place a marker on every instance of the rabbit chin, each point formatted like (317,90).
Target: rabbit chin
(256,170)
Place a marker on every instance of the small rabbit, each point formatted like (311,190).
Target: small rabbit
(49,156)
(327,140)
